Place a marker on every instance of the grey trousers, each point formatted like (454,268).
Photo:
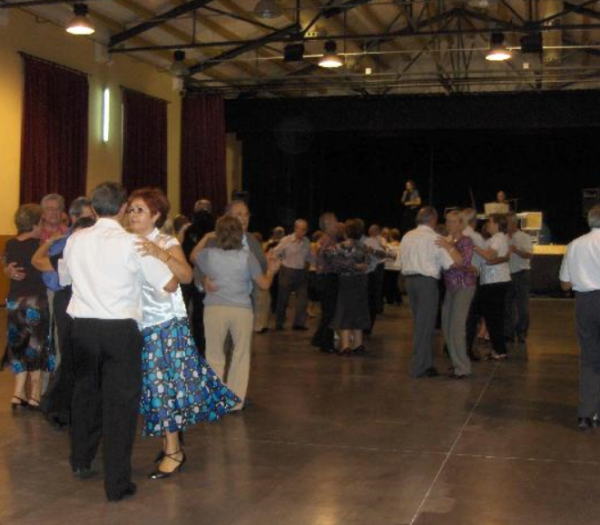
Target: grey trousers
(291,280)
(454,323)
(423,297)
(587,317)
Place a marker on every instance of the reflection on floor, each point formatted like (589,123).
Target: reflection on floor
(333,441)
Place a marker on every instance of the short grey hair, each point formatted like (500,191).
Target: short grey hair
(425,215)
(325,218)
(594,217)
(203,204)
(53,197)
(469,214)
(460,216)
(234,203)
(77,206)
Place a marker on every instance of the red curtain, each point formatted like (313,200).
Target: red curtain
(203,152)
(55,131)
(144,141)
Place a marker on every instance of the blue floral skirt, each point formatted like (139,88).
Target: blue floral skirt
(29,335)
(179,388)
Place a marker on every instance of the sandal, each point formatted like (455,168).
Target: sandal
(159,474)
(34,404)
(20,402)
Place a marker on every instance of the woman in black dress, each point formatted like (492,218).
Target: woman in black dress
(27,310)
(350,260)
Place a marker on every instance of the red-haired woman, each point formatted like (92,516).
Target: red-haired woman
(179,388)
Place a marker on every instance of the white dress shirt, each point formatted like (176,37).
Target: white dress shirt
(295,254)
(581,264)
(479,242)
(420,255)
(107,273)
(522,242)
(496,273)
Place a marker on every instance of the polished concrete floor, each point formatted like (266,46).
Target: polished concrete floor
(333,441)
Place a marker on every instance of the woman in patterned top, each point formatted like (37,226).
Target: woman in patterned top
(460,283)
(350,260)
(179,388)
(27,309)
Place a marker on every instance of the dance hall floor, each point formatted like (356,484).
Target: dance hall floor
(337,441)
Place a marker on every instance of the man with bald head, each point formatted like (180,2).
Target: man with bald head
(295,252)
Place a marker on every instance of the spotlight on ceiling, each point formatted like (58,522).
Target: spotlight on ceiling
(80,24)
(498,51)
(268,9)
(178,68)
(293,53)
(331,59)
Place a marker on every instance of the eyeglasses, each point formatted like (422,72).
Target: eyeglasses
(138,210)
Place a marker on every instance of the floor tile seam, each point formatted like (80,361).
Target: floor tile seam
(527,459)
(454,445)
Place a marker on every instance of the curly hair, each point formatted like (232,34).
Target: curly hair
(157,202)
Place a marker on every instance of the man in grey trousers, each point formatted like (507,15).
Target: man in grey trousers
(421,262)
(580,272)
(517,299)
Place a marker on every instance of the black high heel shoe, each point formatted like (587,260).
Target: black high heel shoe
(161,455)
(22,403)
(159,474)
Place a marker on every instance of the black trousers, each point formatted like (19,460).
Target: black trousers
(194,302)
(390,287)
(57,399)
(587,318)
(379,277)
(327,286)
(106,398)
(491,300)
(374,278)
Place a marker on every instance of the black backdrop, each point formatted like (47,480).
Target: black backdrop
(296,169)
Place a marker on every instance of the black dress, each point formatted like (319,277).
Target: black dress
(350,260)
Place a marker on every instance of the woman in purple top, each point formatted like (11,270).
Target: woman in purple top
(460,288)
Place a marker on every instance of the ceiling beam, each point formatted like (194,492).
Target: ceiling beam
(157,20)
(585,11)
(252,45)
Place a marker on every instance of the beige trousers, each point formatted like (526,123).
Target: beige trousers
(263,310)
(218,322)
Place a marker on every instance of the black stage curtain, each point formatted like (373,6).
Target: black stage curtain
(295,172)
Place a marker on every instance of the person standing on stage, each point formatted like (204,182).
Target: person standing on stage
(421,261)
(520,248)
(327,282)
(411,202)
(107,275)
(580,271)
(296,254)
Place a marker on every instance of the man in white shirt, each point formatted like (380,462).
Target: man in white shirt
(295,252)
(520,247)
(580,272)
(421,262)
(107,274)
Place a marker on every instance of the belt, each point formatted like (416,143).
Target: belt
(415,275)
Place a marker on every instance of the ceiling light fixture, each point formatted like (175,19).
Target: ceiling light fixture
(178,67)
(331,59)
(80,24)
(268,9)
(498,51)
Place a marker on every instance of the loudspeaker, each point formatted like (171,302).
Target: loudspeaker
(293,53)
(589,198)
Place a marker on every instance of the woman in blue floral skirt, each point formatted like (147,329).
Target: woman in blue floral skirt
(179,388)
